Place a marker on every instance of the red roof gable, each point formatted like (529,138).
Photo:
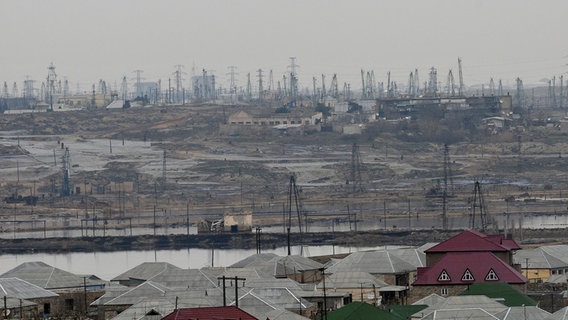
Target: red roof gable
(209,313)
(472,240)
(467,268)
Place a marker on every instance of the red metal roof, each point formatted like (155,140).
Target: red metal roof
(480,265)
(209,313)
(472,240)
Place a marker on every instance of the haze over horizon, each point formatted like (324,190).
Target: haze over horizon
(90,40)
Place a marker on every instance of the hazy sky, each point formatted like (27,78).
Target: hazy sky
(88,40)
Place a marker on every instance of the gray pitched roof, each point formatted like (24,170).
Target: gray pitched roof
(558,251)
(561,314)
(282,315)
(149,309)
(414,256)
(253,259)
(293,264)
(431,300)
(528,312)
(145,271)
(373,262)
(538,258)
(465,302)
(452,314)
(184,278)
(355,279)
(20,289)
(48,277)
(137,294)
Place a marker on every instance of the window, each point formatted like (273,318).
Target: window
(444,291)
(491,276)
(444,276)
(467,276)
(69,305)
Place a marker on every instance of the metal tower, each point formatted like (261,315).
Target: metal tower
(51,83)
(232,79)
(5,93)
(461,91)
(448,186)
(179,82)
(451,87)
(66,165)
(260,85)
(433,82)
(478,202)
(138,82)
(294,200)
(124,89)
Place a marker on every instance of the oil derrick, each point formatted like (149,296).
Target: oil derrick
(232,80)
(5,93)
(333,87)
(520,94)
(51,82)
(363,86)
(491,87)
(478,202)
(15,91)
(28,88)
(260,85)
(416,83)
(293,80)
(461,90)
(451,87)
(138,82)
(447,187)
(179,83)
(561,98)
(433,83)
(124,89)
(249,87)
(65,184)
(500,88)
(294,200)
(370,85)
(356,169)
(323,91)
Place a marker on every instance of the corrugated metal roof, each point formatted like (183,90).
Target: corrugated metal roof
(149,309)
(210,313)
(538,259)
(468,241)
(355,279)
(253,259)
(530,312)
(464,303)
(137,294)
(373,262)
(561,314)
(293,264)
(558,251)
(51,278)
(452,314)
(20,289)
(430,300)
(145,271)
(185,278)
(479,265)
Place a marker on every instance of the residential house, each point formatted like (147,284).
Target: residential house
(209,313)
(467,258)
(23,300)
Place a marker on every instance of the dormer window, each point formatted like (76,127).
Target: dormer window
(467,276)
(444,276)
(491,276)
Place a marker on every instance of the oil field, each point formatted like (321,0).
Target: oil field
(383,160)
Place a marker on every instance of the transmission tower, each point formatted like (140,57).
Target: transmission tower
(66,165)
(356,181)
(462,86)
(478,202)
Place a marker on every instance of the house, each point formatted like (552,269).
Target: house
(523,312)
(274,119)
(385,266)
(467,258)
(143,272)
(75,292)
(361,286)
(25,300)
(462,307)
